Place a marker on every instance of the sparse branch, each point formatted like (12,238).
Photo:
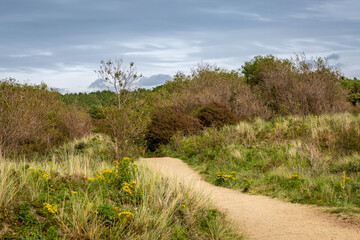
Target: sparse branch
(121,78)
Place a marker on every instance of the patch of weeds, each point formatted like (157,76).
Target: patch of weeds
(23,214)
(292,182)
(179,233)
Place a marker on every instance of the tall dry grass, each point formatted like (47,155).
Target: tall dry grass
(162,208)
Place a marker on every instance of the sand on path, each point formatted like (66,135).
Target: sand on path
(261,217)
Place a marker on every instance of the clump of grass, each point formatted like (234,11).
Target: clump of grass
(74,195)
(299,158)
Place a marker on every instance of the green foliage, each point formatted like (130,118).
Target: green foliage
(253,70)
(313,159)
(90,102)
(353,88)
(293,181)
(349,164)
(167,122)
(75,195)
(179,233)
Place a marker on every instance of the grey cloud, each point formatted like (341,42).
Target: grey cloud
(154,80)
(62,42)
(333,56)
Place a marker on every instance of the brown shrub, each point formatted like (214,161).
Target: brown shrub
(301,88)
(215,115)
(209,84)
(32,118)
(168,121)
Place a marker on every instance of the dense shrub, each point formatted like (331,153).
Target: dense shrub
(253,70)
(126,126)
(209,84)
(33,118)
(215,115)
(353,88)
(298,87)
(168,121)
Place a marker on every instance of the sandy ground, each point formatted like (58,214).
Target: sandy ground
(261,217)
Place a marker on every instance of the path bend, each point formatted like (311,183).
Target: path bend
(261,217)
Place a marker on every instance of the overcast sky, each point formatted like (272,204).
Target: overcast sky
(61,42)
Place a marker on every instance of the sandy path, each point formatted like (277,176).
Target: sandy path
(261,217)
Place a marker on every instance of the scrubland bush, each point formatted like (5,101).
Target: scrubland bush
(126,126)
(353,88)
(299,87)
(32,118)
(215,115)
(209,84)
(168,121)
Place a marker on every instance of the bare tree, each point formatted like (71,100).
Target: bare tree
(121,78)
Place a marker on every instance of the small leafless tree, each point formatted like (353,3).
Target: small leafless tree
(121,78)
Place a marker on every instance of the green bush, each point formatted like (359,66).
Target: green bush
(168,121)
(215,115)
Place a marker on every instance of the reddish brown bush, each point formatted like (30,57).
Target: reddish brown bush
(209,84)
(32,118)
(215,115)
(168,121)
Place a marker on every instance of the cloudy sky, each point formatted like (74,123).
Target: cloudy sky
(61,42)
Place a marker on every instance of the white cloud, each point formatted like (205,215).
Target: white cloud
(33,53)
(336,10)
(228,12)
(76,78)
(164,49)
(88,47)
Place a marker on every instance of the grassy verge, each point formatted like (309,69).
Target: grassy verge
(77,193)
(313,159)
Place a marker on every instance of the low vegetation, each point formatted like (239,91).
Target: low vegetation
(287,128)
(77,193)
(309,159)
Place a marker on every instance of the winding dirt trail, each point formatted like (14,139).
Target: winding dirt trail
(259,216)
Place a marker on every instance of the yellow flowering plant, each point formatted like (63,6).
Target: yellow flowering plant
(224,178)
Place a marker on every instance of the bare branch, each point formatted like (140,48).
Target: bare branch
(121,78)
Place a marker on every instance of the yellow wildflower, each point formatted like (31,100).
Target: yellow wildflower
(115,163)
(74,192)
(51,208)
(127,189)
(44,176)
(126,215)
(94,211)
